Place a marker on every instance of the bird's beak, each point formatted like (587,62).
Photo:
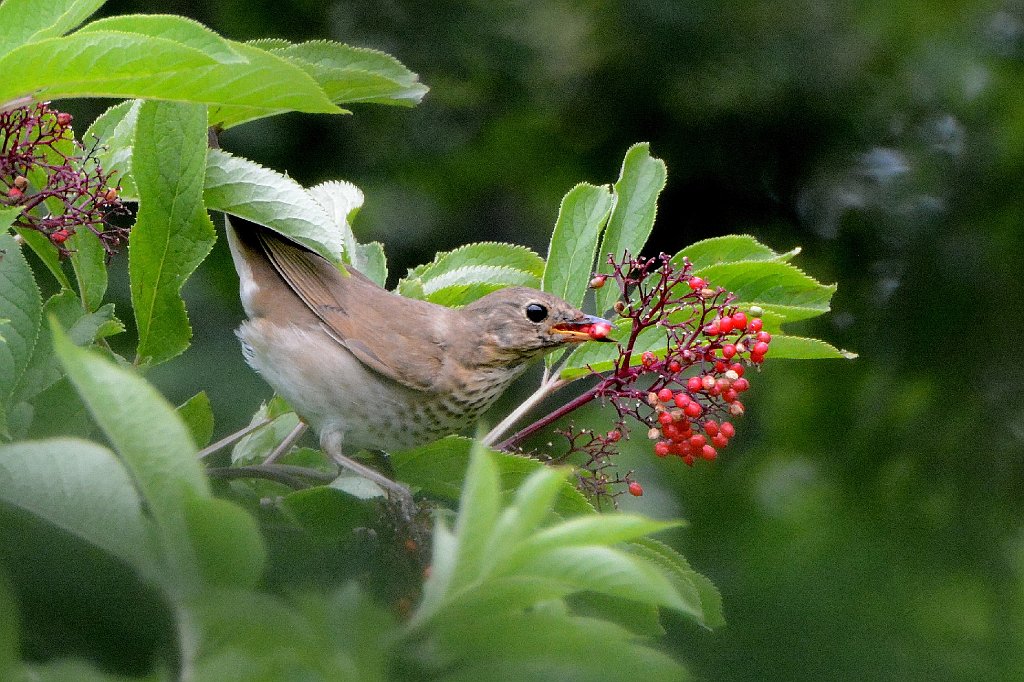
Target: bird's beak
(590,328)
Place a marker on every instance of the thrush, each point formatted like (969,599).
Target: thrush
(369,369)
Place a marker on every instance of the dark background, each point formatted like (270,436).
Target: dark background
(867,523)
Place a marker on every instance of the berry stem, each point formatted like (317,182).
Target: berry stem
(521,435)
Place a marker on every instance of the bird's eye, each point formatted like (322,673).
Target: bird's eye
(535,312)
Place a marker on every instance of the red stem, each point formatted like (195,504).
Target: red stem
(523,434)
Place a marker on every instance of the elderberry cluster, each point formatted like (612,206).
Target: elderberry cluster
(59,185)
(686,388)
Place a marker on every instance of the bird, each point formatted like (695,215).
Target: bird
(369,369)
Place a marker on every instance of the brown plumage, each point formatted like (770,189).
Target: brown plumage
(367,368)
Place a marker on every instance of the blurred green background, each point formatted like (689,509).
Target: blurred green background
(868,522)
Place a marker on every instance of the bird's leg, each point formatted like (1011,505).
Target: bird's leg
(330,441)
(287,443)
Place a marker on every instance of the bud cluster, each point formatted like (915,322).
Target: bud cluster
(58,183)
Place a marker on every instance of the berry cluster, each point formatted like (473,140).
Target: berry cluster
(58,184)
(684,387)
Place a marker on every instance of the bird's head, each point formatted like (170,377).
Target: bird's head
(519,323)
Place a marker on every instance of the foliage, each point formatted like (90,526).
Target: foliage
(528,582)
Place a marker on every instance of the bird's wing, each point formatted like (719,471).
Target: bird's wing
(363,317)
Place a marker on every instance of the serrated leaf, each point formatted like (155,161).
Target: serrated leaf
(478,512)
(531,506)
(83,489)
(26,21)
(467,284)
(581,217)
(636,204)
(197,413)
(173,233)
(43,369)
(372,262)
(482,267)
(727,249)
(597,529)
(89,260)
(640,619)
(679,570)
(114,132)
(44,249)
(341,201)
(180,30)
(784,347)
(131,65)
(770,283)
(245,189)
(21,306)
(354,74)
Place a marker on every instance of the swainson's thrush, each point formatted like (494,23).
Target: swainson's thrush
(367,368)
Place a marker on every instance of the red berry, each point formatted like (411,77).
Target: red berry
(739,320)
(737,367)
(15,193)
(681,399)
(693,410)
(760,348)
(729,395)
(63,119)
(713,329)
(764,337)
(697,283)
(661,449)
(741,385)
(708,452)
(719,366)
(719,441)
(697,442)
(711,427)
(665,418)
(688,459)
(614,436)
(725,324)
(755,324)
(736,409)
(727,429)
(707,382)
(635,489)
(693,384)
(675,367)
(599,330)
(60,236)
(665,395)
(598,281)
(728,351)
(648,359)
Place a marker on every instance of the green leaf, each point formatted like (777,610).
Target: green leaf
(639,619)
(478,513)
(89,259)
(226,541)
(20,307)
(114,131)
(595,529)
(636,204)
(131,65)
(169,27)
(779,285)
(458,277)
(327,512)
(341,201)
(150,438)
(81,488)
(44,369)
(678,570)
(439,469)
(173,233)
(784,347)
(245,189)
(581,217)
(197,413)
(355,74)
(44,249)
(608,571)
(373,262)
(728,249)
(532,505)
(26,21)
(10,659)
